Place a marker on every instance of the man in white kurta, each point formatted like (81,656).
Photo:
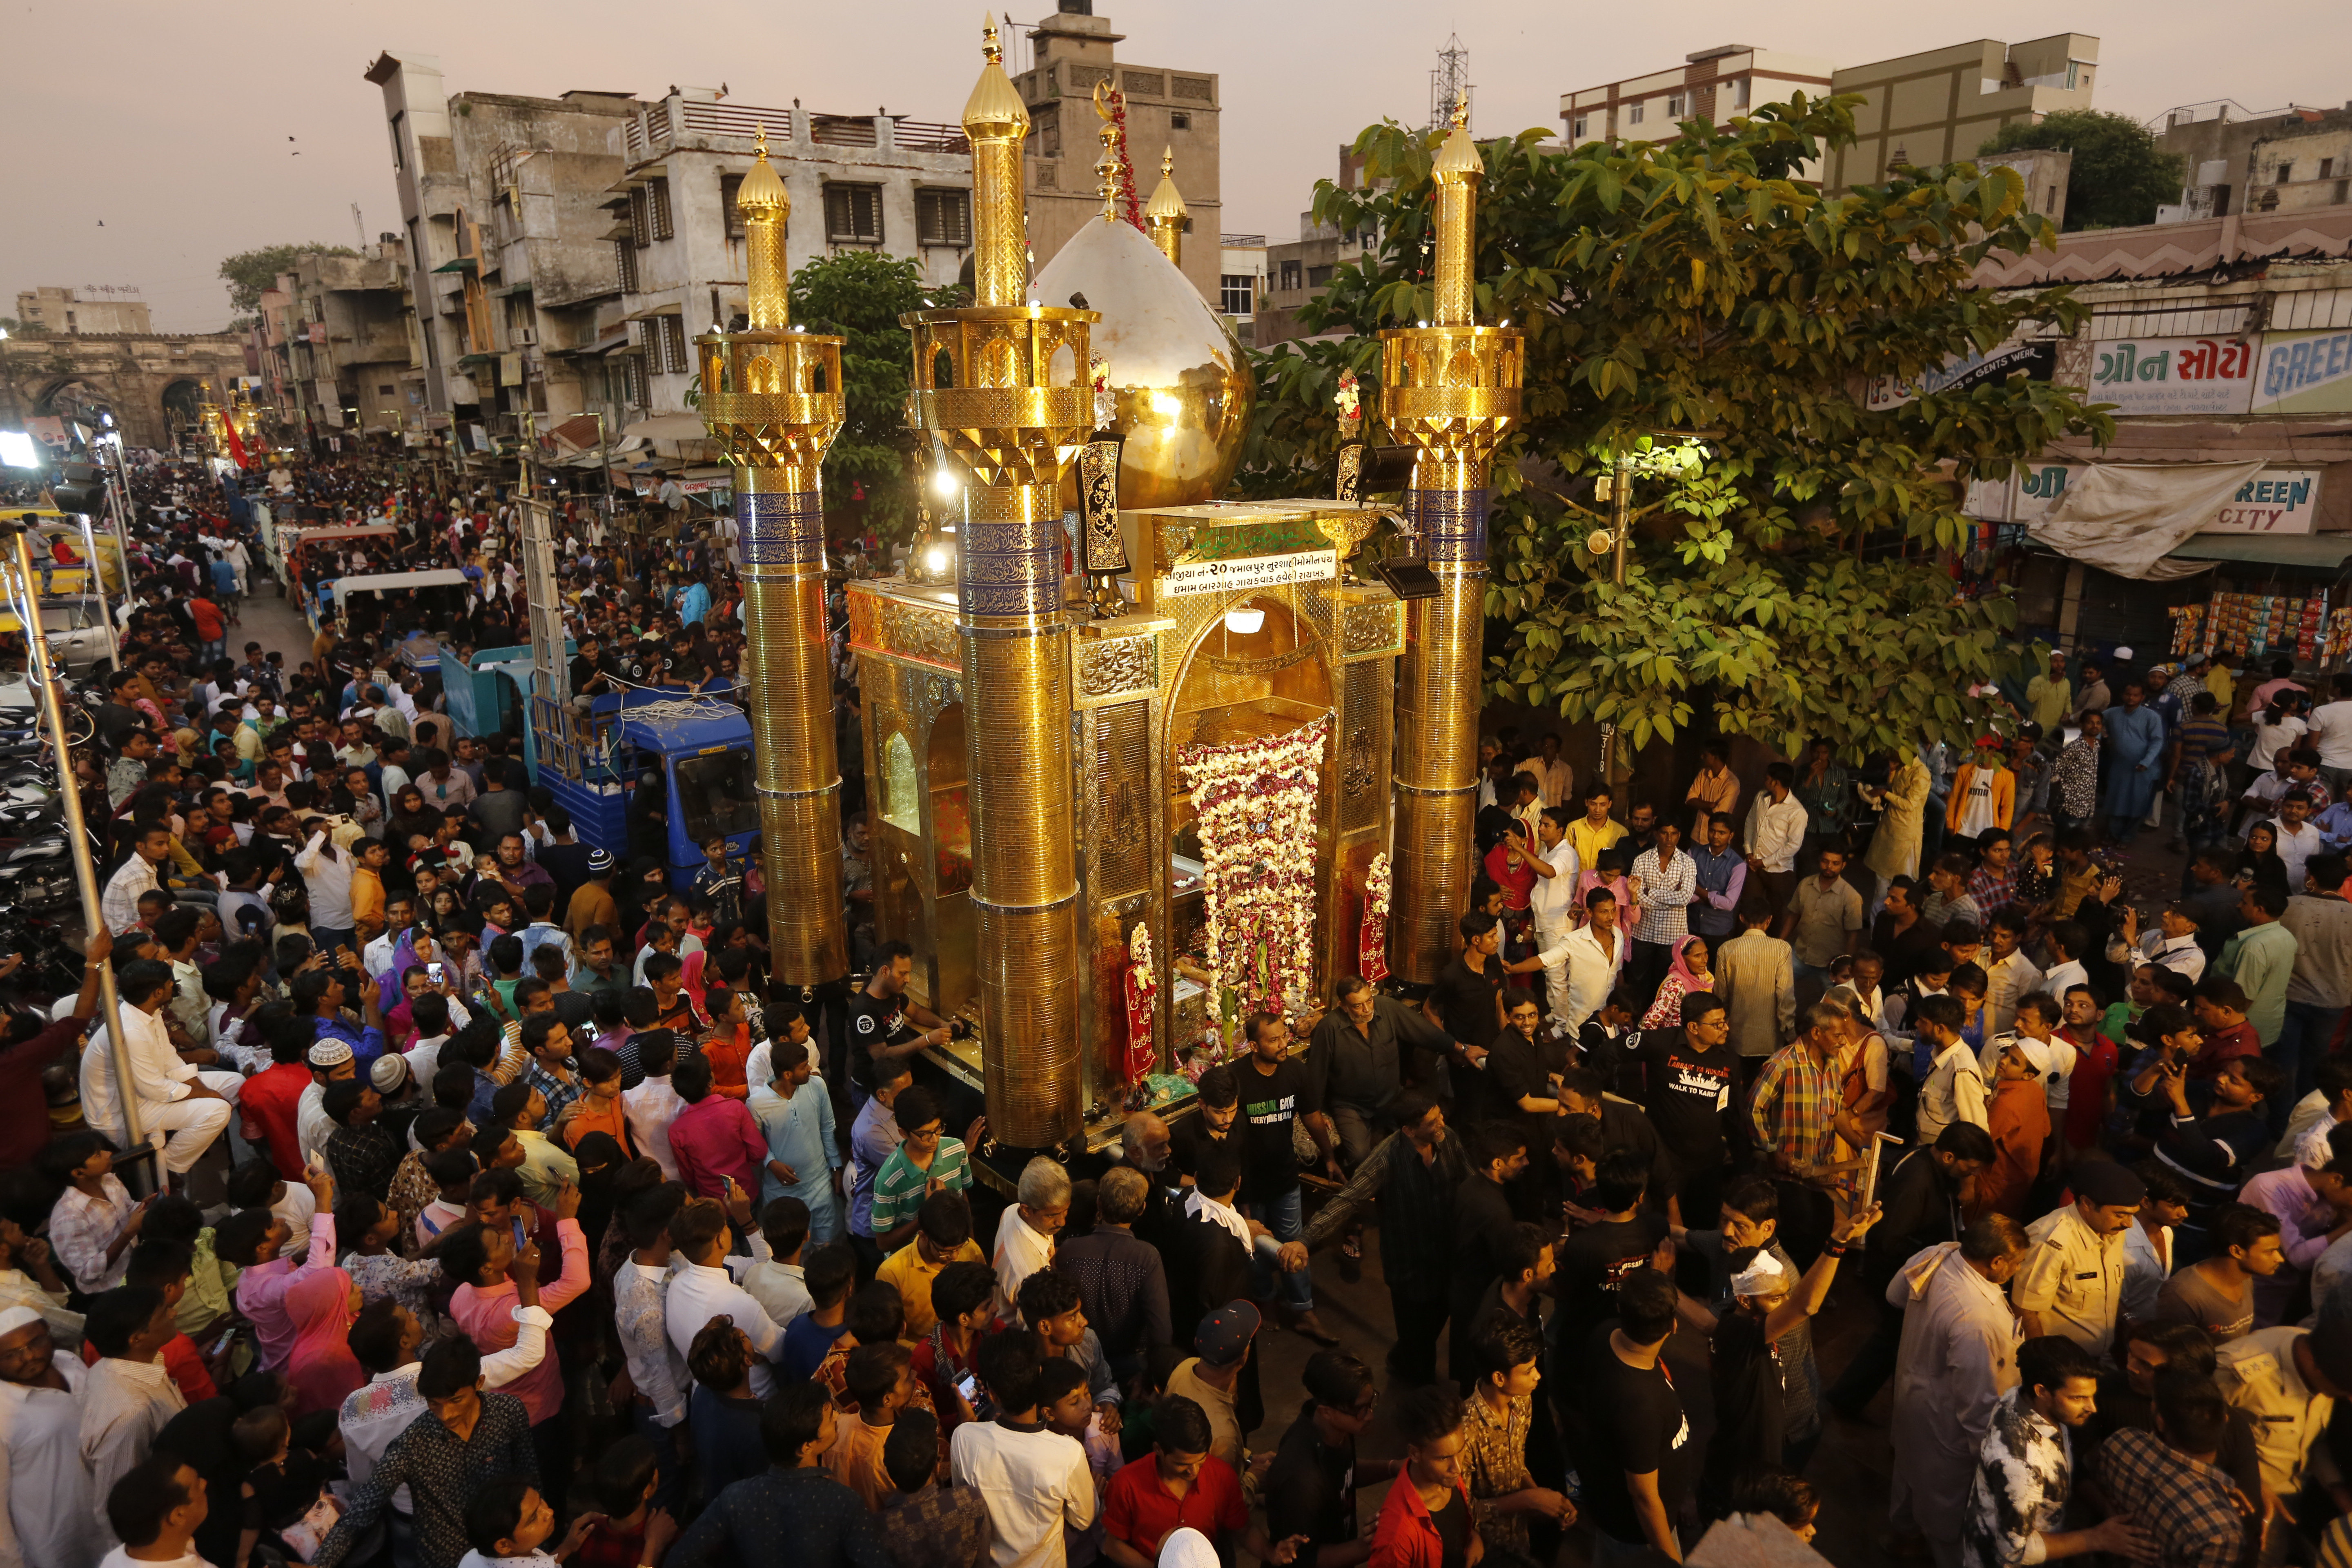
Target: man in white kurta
(189,1104)
(48,1517)
(1959,1357)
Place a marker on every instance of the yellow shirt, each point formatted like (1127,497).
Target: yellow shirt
(907,1269)
(1589,841)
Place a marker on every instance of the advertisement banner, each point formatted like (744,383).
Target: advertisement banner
(2276,500)
(2173,376)
(2037,359)
(2304,372)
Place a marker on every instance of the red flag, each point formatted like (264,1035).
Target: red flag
(235,447)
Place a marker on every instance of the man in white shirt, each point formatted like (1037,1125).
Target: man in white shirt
(129,1395)
(2331,731)
(1593,957)
(1025,1235)
(1552,901)
(653,1105)
(1035,1481)
(1776,831)
(702,1284)
(174,1096)
(327,873)
(2298,839)
(47,1512)
(118,905)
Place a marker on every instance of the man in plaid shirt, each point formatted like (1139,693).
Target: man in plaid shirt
(1994,885)
(2165,1481)
(1798,1111)
(1666,883)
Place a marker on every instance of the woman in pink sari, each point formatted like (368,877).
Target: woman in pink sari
(322,1305)
(1690,974)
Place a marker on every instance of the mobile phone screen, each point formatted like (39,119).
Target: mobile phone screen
(969,1386)
(433,972)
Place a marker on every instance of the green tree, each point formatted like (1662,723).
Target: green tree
(249,273)
(859,295)
(2119,176)
(1784,575)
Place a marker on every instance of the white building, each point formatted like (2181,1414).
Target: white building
(1241,279)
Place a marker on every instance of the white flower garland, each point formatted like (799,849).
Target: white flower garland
(1255,804)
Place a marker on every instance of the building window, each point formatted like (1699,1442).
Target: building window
(853,214)
(1234,292)
(2328,168)
(2286,171)
(641,221)
(1576,128)
(659,186)
(1319,277)
(1677,105)
(730,188)
(1180,121)
(399,158)
(943,217)
(1290,278)
(1634,115)
(625,254)
(1740,91)
(665,345)
(1049,133)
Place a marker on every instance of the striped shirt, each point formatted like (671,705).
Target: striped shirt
(901,1185)
(1665,894)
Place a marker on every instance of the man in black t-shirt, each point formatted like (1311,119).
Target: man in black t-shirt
(1525,1089)
(1637,1458)
(1690,1074)
(884,1024)
(1310,1490)
(1465,1002)
(1276,1091)
(589,676)
(1598,1257)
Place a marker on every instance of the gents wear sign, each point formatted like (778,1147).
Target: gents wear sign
(2035,360)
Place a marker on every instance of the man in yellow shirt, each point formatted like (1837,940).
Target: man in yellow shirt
(2050,698)
(1591,833)
(942,1235)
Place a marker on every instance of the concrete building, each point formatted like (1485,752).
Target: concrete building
(2284,160)
(334,338)
(1940,106)
(1241,280)
(74,311)
(1073,51)
(1711,84)
(1931,107)
(880,182)
(1300,270)
(511,275)
(150,381)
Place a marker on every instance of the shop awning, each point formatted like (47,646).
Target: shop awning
(668,428)
(2314,552)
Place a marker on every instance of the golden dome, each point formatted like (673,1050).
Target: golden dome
(762,193)
(1182,390)
(1166,204)
(994,108)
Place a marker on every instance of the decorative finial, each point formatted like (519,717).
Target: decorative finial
(1460,112)
(1167,162)
(990,46)
(760,139)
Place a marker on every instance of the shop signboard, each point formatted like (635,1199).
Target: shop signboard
(2172,375)
(2276,500)
(2304,372)
(2037,360)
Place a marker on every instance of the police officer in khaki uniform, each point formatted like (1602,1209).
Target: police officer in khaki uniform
(2071,1281)
(2288,1380)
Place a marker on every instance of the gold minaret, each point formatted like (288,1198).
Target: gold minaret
(1450,389)
(1164,216)
(772,397)
(1003,386)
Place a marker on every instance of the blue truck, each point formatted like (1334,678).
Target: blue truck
(653,771)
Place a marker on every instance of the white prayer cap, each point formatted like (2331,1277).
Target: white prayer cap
(1761,1277)
(16,1318)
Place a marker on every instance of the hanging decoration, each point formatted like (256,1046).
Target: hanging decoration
(1142,987)
(1372,937)
(1255,808)
(1111,104)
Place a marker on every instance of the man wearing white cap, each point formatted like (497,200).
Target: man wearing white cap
(329,1059)
(49,1517)
(174,1097)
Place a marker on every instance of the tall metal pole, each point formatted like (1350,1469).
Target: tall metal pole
(1621,509)
(43,676)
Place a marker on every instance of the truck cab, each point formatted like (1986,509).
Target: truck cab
(653,771)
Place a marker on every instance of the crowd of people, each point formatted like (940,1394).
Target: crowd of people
(501,1211)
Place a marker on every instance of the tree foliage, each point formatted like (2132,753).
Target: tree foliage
(2119,176)
(1784,579)
(859,295)
(249,273)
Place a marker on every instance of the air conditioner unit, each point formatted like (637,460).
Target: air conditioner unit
(525,337)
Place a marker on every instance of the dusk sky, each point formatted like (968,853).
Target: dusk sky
(169,123)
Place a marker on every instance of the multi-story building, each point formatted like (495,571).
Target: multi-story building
(1298,270)
(511,275)
(73,311)
(1073,51)
(1710,85)
(2282,160)
(857,182)
(1241,280)
(1931,107)
(333,340)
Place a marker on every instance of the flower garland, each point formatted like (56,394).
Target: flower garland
(1255,804)
(1131,208)
(1372,937)
(1143,986)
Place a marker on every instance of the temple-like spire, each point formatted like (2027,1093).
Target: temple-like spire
(997,122)
(765,206)
(1165,215)
(1458,171)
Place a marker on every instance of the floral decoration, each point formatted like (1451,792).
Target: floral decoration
(1143,986)
(1255,804)
(1372,937)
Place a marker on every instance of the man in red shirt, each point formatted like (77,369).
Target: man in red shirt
(2221,1007)
(212,631)
(270,1105)
(27,1050)
(1179,1484)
